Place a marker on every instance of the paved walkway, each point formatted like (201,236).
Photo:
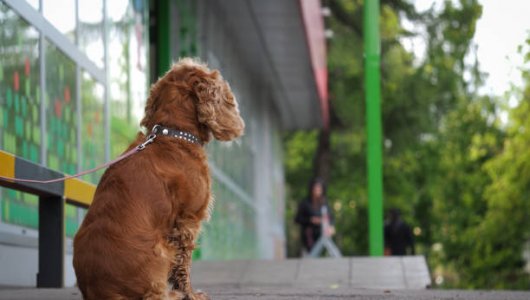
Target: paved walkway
(289,293)
(347,278)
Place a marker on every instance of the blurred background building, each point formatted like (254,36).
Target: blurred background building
(74,77)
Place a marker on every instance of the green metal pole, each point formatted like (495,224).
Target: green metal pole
(372,56)
(163,61)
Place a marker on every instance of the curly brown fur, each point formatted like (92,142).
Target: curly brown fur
(138,235)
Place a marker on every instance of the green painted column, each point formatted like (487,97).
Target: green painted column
(372,56)
(163,48)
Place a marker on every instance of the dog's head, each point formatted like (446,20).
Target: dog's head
(196,95)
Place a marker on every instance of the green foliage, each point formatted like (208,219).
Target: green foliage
(460,176)
(506,225)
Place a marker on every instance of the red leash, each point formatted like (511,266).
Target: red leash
(135,150)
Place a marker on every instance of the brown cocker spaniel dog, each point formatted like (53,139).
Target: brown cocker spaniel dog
(138,235)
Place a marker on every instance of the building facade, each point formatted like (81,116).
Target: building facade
(74,77)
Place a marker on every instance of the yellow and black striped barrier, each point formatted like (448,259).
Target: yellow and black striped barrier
(52,199)
(75,191)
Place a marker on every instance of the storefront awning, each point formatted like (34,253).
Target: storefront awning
(283,42)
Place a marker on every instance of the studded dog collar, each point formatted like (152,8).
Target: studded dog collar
(183,135)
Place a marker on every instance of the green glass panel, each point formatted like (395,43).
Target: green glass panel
(19,126)
(53,162)
(5,210)
(92,129)
(60,148)
(72,169)
(20,209)
(27,86)
(6,118)
(61,72)
(72,133)
(71,227)
(50,140)
(34,153)
(51,128)
(36,135)
(34,114)
(27,129)
(64,128)
(9,97)
(60,110)
(70,211)
(9,142)
(25,150)
(73,154)
(20,73)
(12,193)
(16,102)
(24,106)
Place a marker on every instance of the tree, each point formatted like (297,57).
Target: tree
(505,228)
(447,157)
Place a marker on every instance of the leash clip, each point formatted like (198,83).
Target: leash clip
(148,141)
(149,138)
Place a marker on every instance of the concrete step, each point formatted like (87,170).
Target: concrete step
(407,272)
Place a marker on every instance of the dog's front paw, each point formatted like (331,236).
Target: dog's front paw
(197,295)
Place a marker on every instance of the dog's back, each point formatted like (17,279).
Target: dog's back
(117,227)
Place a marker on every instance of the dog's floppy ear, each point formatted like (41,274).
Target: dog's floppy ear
(217,108)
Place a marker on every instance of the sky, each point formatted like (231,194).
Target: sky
(503,26)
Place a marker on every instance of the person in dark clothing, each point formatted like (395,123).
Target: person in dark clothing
(398,235)
(309,214)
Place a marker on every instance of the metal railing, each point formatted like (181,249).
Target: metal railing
(52,200)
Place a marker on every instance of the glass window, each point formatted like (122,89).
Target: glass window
(231,215)
(19,108)
(61,14)
(34,3)
(72,219)
(21,101)
(187,31)
(93,129)
(128,70)
(61,111)
(235,160)
(90,26)
(19,86)
(20,208)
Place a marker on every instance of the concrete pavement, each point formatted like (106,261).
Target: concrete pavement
(394,278)
(226,292)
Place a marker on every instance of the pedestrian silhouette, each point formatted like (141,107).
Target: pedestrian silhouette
(312,211)
(398,235)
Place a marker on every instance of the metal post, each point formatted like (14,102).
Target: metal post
(163,49)
(51,242)
(372,58)
(107,95)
